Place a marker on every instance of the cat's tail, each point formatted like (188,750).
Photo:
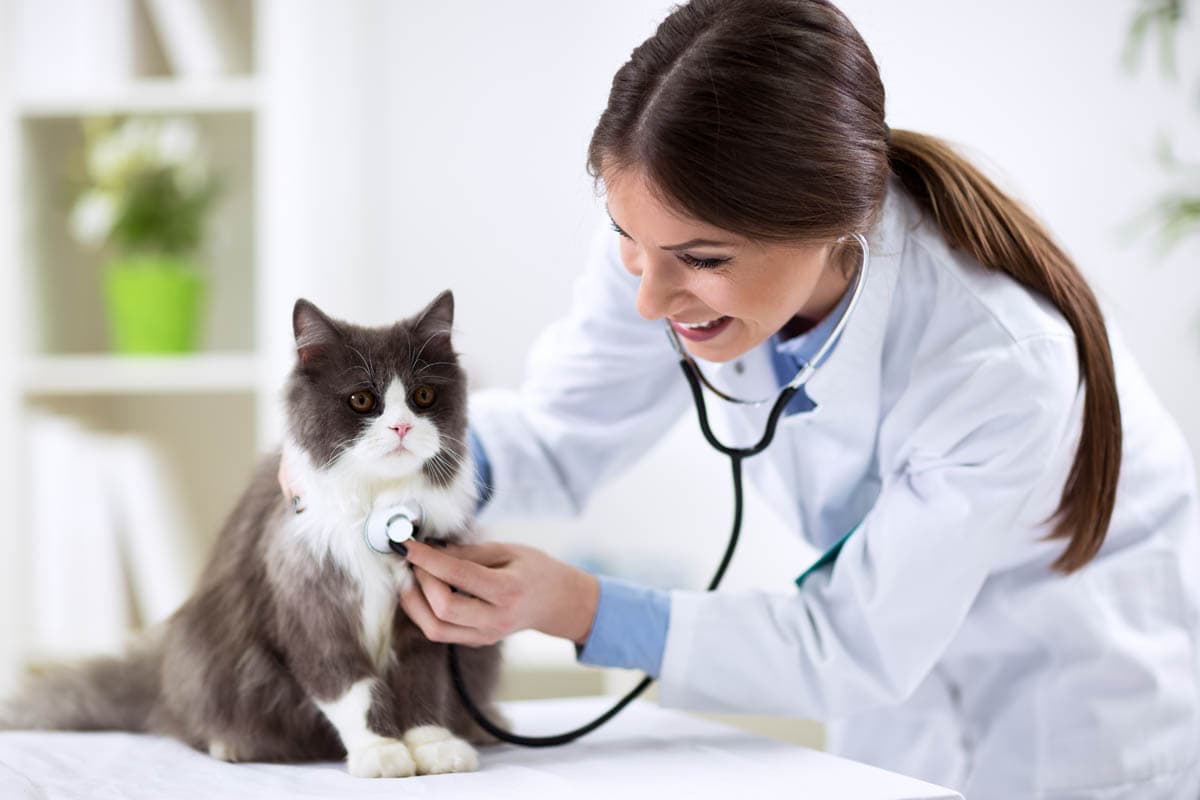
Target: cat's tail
(104,693)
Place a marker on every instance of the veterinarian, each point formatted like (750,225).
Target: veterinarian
(1008,605)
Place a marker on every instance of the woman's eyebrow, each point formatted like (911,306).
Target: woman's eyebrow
(682,246)
(696,243)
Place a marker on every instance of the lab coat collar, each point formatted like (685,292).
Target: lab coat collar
(858,351)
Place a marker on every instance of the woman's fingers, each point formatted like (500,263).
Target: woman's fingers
(412,599)
(453,586)
(489,554)
(457,608)
(462,573)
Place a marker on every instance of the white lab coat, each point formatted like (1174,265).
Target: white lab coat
(939,644)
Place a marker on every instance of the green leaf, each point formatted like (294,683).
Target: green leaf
(1163,18)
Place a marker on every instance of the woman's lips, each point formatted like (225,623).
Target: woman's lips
(702,334)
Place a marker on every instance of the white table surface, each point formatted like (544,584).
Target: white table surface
(645,752)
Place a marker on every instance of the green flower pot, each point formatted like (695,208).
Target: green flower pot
(154,304)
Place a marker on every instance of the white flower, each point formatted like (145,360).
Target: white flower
(110,159)
(139,135)
(176,142)
(92,217)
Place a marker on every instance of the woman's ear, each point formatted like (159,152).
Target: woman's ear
(847,255)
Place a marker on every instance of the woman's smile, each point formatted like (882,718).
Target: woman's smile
(703,331)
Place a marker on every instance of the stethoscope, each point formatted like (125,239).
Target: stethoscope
(387,528)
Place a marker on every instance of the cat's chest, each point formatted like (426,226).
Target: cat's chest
(375,579)
(332,530)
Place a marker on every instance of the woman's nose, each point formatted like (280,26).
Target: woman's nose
(657,291)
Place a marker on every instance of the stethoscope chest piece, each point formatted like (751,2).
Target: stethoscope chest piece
(392,524)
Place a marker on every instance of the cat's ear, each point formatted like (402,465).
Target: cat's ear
(315,332)
(437,318)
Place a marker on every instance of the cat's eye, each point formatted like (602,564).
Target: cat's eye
(423,396)
(362,402)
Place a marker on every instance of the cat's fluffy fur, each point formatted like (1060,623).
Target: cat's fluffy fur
(293,646)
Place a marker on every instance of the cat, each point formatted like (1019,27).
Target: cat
(293,646)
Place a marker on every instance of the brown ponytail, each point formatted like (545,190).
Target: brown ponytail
(766,118)
(977,218)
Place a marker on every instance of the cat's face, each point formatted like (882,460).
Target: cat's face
(381,402)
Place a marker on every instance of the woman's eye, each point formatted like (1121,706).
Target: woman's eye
(362,402)
(423,396)
(691,261)
(702,263)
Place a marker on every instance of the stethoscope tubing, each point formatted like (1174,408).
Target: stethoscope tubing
(736,455)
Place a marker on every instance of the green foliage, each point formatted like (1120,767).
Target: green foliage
(1160,19)
(1176,212)
(158,216)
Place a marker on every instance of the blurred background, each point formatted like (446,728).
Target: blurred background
(367,155)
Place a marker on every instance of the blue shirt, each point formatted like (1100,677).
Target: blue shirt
(630,626)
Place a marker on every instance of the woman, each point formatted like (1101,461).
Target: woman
(1013,611)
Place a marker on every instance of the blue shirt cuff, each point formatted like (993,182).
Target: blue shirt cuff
(629,629)
(483,469)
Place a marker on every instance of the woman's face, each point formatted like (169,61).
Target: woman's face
(692,272)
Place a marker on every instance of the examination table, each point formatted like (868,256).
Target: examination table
(645,752)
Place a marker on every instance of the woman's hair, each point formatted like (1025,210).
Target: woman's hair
(766,118)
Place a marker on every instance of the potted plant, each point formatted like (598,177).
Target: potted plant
(144,201)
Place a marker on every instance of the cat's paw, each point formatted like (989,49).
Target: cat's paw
(381,758)
(437,750)
(222,750)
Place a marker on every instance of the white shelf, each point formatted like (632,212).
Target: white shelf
(150,95)
(113,374)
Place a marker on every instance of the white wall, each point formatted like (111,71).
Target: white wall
(1038,92)
(490,107)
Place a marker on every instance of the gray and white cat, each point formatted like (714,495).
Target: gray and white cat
(293,647)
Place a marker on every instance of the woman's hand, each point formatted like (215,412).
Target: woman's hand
(511,588)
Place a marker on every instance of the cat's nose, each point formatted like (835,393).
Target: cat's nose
(401,428)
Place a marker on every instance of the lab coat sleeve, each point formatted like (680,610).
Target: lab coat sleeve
(602,385)
(865,631)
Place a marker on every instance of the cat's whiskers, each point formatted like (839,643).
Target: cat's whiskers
(337,453)
(463,447)
(426,367)
(446,466)
(443,456)
(417,356)
(440,469)
(360,367)
(366,361)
